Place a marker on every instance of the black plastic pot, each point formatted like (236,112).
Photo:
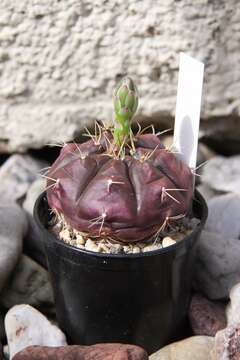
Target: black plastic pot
(138,298)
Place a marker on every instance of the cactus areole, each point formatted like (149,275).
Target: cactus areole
(123,186)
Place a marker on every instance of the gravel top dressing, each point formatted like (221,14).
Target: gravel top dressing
(109,246)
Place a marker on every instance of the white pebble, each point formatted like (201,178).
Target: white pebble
(136,250)
(116,248)
(80,239)
(103,248)
(65,235)
(126,248)
(91,246)
(80,246)
(151,247)
(168,241)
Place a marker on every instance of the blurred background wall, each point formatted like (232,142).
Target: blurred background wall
(60,59)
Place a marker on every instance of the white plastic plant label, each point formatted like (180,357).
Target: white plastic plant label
(187,117)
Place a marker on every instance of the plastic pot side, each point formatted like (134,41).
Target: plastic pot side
(137,298)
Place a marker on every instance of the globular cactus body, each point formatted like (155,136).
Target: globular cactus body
(119,185)
(128,198)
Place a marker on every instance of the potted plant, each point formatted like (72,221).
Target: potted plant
(128,197)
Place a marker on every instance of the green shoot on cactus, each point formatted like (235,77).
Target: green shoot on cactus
(125,100)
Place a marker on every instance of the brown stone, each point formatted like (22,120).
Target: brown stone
(206,317)
(77,352)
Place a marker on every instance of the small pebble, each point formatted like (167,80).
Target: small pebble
(103,248)
(168,241)
(126,249)
(80,239)
(115,248)
(65,235)
(91,246)
(152,247)
(80,246)
(136,250)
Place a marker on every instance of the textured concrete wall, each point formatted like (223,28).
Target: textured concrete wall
(60,59)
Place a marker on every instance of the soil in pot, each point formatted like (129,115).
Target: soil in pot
(170,236)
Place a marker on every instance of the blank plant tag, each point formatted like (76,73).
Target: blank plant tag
(187,117)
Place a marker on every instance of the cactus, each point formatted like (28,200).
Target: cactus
(118,185)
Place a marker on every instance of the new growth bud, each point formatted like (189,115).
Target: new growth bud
(125,99)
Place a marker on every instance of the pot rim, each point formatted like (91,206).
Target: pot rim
(198,199)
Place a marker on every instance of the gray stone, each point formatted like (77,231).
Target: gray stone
(206,191)
(193,348)
(16,174)
(13,227)
(217,265)
(29,284)
(58,65)
(224,215)
(33,244)
(26,326)
(223,174)
(35,189)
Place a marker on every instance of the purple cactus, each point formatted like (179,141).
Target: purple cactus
(119,185)
(128,198)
